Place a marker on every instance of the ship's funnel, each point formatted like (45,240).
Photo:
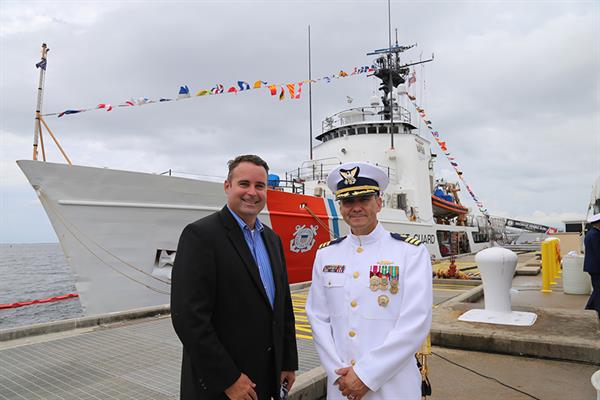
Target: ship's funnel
(497,267)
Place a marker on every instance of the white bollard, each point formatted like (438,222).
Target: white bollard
(497,268)
(596,383)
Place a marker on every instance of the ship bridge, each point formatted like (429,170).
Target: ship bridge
(365,121)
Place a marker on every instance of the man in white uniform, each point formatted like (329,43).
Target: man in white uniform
(371,296)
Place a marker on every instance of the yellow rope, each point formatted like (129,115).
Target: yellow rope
(307,208)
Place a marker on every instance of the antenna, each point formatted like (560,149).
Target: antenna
(391,85)
(310,98)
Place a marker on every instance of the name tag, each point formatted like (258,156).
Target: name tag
(334,268)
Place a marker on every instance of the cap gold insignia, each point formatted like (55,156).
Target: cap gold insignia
(349,175)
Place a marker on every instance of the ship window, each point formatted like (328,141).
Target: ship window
(395,129)
(480,237)
(453,243)
(361,131)
(343,132)
(401,201)
(336,134)
(372,129)
(351,131)
(383,129)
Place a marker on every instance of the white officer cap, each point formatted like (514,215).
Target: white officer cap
(594,218)
(354,179)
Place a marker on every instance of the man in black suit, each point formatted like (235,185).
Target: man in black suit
(230,299)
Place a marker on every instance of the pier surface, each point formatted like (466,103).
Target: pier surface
(140,359)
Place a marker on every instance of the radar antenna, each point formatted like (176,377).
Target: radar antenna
(391,72)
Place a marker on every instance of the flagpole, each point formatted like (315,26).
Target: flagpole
(37,131)
(310,98)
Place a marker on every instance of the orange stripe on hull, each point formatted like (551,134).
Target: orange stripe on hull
(297,229)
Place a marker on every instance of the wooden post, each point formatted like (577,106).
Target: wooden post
(41,141)
(56,141)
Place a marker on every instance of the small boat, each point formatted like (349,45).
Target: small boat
(446,204)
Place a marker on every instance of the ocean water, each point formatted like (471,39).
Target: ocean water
(35,271)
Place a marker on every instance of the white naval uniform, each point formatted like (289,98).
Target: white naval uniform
(350,327)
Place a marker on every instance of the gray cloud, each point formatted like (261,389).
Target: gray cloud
(513,89)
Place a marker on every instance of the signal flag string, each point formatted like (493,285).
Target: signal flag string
(452,160)
(291,90)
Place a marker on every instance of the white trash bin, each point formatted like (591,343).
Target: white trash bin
(575,280)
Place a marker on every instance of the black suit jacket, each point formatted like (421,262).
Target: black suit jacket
(221,312)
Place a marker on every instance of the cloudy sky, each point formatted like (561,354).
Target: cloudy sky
(514,90)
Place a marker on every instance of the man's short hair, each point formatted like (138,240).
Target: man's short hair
(251,158)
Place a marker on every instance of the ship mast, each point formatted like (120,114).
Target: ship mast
(391,73)
(37,133)
(39,120)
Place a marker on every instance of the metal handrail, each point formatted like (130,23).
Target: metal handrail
(364,114)
(320,169)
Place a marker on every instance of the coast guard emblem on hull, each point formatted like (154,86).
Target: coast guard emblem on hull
(349,175)
(304,238)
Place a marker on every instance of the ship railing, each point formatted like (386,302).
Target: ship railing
(318,170)
(192,175)
(291,185)
(288,185)
(363,114)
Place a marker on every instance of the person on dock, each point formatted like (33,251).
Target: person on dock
(591,262)
(230,299)
(370,300)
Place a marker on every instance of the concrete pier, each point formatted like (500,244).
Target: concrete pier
(116,357)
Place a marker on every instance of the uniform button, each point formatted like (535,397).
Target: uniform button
(351,333)
(269,349)
(353,303)
(353,362)
(355,274)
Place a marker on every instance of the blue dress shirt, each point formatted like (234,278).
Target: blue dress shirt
(259,251)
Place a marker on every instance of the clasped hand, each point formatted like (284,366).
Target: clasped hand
(242,389)
(350,384)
